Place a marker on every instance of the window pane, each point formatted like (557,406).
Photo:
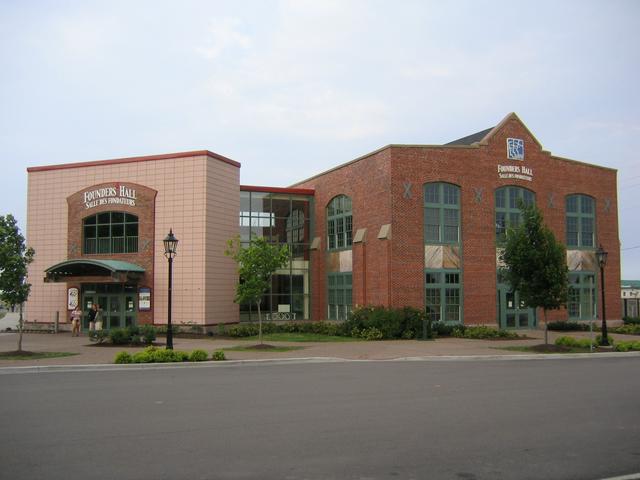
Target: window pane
(90,220)
(104,217)
(500,201)
(572,204)
(450,194)
(587,232)
(432,277)
(587,205)
(432,193)
(117,217)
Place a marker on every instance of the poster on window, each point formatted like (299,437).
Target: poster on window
(72,298)
(144,299)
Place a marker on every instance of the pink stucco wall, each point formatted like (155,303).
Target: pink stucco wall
(198,197)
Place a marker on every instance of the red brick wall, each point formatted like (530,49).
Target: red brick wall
(376,185)
(144,209)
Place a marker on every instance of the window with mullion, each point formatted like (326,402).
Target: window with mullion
(507,213)
(110,232)
(580,220)
(441,213)
(339,296)
(443,295)
(339,223)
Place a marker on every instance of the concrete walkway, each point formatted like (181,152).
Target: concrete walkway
(89,353)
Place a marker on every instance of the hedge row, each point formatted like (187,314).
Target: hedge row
(375,323)
(160,355)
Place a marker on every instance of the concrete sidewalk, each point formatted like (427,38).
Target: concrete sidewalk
(89,353)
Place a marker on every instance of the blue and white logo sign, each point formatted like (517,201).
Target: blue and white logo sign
(515,148)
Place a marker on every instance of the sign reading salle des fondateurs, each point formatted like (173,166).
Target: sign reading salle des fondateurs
(115,195)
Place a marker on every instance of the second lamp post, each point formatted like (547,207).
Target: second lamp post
(170,251)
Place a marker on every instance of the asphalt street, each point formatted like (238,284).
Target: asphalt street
(522,419)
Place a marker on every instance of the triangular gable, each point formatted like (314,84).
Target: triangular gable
(498,127)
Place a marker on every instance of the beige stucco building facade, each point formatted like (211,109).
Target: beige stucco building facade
(97,229)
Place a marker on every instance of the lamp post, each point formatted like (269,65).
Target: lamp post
(170,251)
(601,256)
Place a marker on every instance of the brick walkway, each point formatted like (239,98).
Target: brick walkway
(90,354)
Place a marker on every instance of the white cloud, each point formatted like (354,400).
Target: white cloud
(223,34)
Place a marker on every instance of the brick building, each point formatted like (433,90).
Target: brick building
(406,225)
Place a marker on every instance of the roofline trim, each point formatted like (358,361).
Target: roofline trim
(147,158)
(293,191)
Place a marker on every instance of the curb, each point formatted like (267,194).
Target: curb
(284,361)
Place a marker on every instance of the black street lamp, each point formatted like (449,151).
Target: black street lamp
(601,256)
(170,251)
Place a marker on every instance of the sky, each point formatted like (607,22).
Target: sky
(293,88)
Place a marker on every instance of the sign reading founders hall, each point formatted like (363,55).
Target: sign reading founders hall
(110,195)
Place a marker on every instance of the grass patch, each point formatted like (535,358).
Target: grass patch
(24,355)
(302,337)
(544,349)
(259,348)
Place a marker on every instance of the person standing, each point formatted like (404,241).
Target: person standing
(98,317)
(76,318)
(92,317)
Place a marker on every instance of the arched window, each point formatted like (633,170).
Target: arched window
(580,216)
(110,232)
(441,213)
(339,223)
(507,212)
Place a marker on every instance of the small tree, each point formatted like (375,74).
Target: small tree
(257,262)
(14,259)
(536,263)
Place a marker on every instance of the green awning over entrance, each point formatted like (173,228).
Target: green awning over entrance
(117,270)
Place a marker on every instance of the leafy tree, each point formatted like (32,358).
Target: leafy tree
(14,259)
(257,262)
(536,263)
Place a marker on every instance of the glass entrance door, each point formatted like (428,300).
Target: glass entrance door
(117,304)
(512,313)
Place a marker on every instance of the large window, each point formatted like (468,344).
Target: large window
(443,299)
(339,303)
(580,214)
(441,213)
(282,219)
(582,296)
(508,215)
(110,232)
(339,223)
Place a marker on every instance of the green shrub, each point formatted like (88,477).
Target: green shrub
(633,345)
(244,330)
(218,356)
(123,357)
(98,336)
(198,356)
(567,326)
(391,323)
(631,320)
(148,334)
(482,332)
(571,342)
(142,357)
(442,329)
(222,329)
(166,356)
(599,340)
(627,329)
(119,336)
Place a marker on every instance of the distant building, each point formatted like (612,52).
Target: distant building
(630,290)
(406,225)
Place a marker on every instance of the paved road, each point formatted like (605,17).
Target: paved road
(540,419)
